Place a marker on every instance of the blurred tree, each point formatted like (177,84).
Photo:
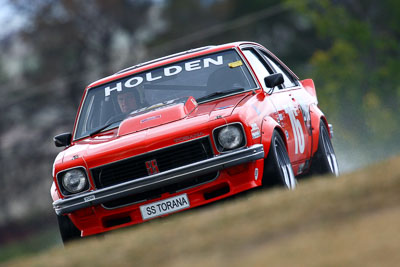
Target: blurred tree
(2,75)
(72,39)
(66,45)
(193,23)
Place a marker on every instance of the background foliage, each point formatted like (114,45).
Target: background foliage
(349,47)
(356,70)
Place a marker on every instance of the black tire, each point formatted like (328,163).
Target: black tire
(68,230)
(277,167)
(324,160)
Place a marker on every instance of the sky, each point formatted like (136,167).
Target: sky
(10,19)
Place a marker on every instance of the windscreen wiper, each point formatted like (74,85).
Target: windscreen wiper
(219,93)
(98,130)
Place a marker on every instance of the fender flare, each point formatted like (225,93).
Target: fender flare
(316,117)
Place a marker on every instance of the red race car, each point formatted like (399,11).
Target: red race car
(184,130)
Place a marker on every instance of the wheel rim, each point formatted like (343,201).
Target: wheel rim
(330,153)
(285,167)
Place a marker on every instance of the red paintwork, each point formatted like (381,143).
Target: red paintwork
(172,125)
(157,117)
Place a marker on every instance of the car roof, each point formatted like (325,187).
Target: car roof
(168,60)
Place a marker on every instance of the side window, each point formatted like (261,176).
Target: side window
(288,79)
(259,67)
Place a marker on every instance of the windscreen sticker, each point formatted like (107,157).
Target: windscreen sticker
(169,71)
(235,64)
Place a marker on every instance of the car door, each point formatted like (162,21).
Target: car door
(288,109)
(290,102)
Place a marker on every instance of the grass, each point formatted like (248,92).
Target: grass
(349,221)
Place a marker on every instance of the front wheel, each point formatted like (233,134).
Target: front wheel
(277,167)
(324,160)
(68,230)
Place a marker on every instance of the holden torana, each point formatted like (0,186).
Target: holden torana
(185,130)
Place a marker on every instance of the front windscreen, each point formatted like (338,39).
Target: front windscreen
(204,78)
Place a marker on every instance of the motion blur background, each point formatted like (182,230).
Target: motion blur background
(50,50)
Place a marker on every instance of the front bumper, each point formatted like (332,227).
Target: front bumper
(223,161)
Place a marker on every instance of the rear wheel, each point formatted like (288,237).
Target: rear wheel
(68,230)
(277,167)
(324,160)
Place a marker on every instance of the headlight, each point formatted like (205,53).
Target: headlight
(74,181)
(229,137)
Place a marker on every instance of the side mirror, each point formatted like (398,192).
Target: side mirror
(273,80)
(63,139)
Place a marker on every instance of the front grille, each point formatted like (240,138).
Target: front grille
(156,193)
(167,159)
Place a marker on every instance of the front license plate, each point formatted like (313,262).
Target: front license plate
(165,206)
